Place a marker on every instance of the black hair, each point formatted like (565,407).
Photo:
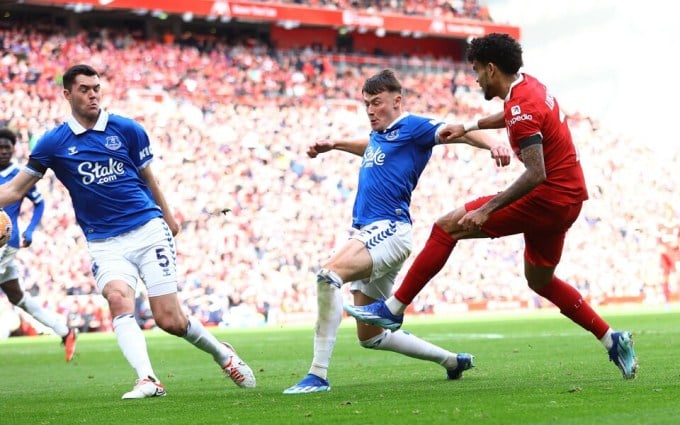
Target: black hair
(6,133)
(499,49)
(385,80)
(70,75)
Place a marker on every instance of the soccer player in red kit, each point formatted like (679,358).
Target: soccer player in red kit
(542,203)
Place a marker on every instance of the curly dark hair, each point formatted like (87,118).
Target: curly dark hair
(499,49)
(70,75)
(385,80)
(6,133)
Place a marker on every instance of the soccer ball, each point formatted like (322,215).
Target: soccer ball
(5,228)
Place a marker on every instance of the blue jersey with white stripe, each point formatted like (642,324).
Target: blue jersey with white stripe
(13,210)
(100,168)
(390,168)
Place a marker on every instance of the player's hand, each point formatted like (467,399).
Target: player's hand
(450,132)
(320,146)
(473,220)
(502,154)
(27,239)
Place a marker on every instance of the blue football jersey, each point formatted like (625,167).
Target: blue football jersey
(100,168)
(13,210)
(390,168)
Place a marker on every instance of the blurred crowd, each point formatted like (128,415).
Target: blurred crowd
(230,123)
(468,9)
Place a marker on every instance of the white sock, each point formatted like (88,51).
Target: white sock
(410,345)
(328,319)
(44,316)
(133,345)
(607,340)
(395,306)
(199,336)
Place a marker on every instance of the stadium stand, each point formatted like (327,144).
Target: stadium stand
(231,109)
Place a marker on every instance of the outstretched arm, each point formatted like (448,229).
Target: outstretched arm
(356,146)
(494,121)
(490,122)
(16,188)
(500,152)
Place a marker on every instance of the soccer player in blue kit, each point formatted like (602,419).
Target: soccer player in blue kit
(104,161)
(9,274)
(393,158)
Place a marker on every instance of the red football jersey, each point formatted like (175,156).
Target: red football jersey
(530,109)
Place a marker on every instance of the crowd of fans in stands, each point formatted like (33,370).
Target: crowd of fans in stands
(469,9)
(230,126)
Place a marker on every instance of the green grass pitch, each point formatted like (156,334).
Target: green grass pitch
(531,368)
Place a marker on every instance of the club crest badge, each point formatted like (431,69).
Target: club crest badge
(113,143)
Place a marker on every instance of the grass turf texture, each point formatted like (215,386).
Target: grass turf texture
(532,368)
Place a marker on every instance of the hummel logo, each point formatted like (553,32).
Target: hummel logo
(72,150)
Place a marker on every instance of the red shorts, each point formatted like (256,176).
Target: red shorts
(544,225)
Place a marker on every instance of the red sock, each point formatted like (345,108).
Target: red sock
(427,264)
(571,304)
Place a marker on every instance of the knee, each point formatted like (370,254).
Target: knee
(538,277)
(174,325)
(120,302)
(374,342)
(449,222)
(443,224)
(367,344)
(13,292)
(537,284)
(15,297)
(328,277)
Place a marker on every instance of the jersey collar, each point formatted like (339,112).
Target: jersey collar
(100,125)
(7,170)
(514,83)
(399,118)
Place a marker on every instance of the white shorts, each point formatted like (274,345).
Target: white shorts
(390,244)
(8,267)
(146,253)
